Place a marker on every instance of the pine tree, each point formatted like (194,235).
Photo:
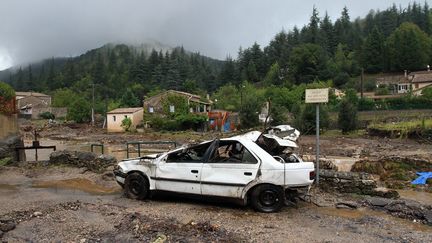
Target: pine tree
(373,51)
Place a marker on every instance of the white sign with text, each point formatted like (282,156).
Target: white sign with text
(317,95)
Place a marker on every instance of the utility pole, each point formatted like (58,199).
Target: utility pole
(93,104)
(361,83)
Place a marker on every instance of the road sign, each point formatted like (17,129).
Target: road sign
(317,95)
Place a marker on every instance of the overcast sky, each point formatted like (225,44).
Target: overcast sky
(31,30)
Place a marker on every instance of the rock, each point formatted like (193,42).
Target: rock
(428,217)
(384,192)
(37,214)
(346,205)
(5,227)
(378,202)
(1,234)
(8,145)
(5,219)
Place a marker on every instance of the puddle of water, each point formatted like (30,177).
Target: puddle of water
(363,212)
(79,184)
(8,187)
(422,197)
(344,213)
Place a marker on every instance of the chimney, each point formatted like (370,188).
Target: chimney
(208,97)
(406,73)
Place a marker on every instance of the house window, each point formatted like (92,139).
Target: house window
(114,118)
(151,109)
(172,109)
(416,86)
(125,116)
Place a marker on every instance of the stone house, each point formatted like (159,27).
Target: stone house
(420,81)
(197,104)
(29,103)
(116,116)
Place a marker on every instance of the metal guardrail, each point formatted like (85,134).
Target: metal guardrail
(97,145)
(139,143)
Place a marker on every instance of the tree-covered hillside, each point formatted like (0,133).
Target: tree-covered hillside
(392,40)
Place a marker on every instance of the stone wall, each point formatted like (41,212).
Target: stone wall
(92,161)
(8,145)
(347,182)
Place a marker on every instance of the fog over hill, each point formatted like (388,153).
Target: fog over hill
(35,30)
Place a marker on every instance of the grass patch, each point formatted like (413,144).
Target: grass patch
(338,133)
(404,129)
(5,161)
(407,125)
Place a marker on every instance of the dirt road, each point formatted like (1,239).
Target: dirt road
(64,204)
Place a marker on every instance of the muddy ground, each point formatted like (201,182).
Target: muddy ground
(65,204)
(57,203)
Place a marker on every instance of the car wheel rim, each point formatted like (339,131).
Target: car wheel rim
(268,198)
(135,187)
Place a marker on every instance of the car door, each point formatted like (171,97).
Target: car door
(180,171)
(228,170)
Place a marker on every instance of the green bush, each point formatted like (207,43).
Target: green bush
(347,119)
(47,115)
(305,119)
(366,104)
(6,91)
(126,124)
(79,111)
(178,123)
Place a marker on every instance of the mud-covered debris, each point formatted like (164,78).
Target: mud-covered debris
(155,229)
(406,209)
(5,227)
(91,161)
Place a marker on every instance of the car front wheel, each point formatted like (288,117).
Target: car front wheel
(136,186)
(267,198)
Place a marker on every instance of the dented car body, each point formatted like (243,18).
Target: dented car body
(252,167)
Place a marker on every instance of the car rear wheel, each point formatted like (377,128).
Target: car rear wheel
(267,198)
(136,186)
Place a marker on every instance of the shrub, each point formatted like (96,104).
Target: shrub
(126,124)
(366,104)
(80,111)
(6,99)
(306,119)
(47,115)
(347,119)
(180,122)
(6,91)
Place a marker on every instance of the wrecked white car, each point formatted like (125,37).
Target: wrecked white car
(254,168)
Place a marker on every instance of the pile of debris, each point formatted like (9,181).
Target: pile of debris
(89,160)
(160,229)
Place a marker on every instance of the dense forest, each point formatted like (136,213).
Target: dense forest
(392,40)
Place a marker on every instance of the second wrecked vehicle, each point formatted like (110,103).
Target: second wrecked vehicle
(253,167)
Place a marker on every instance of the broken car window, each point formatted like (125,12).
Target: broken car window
(194,154)
(232,152)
